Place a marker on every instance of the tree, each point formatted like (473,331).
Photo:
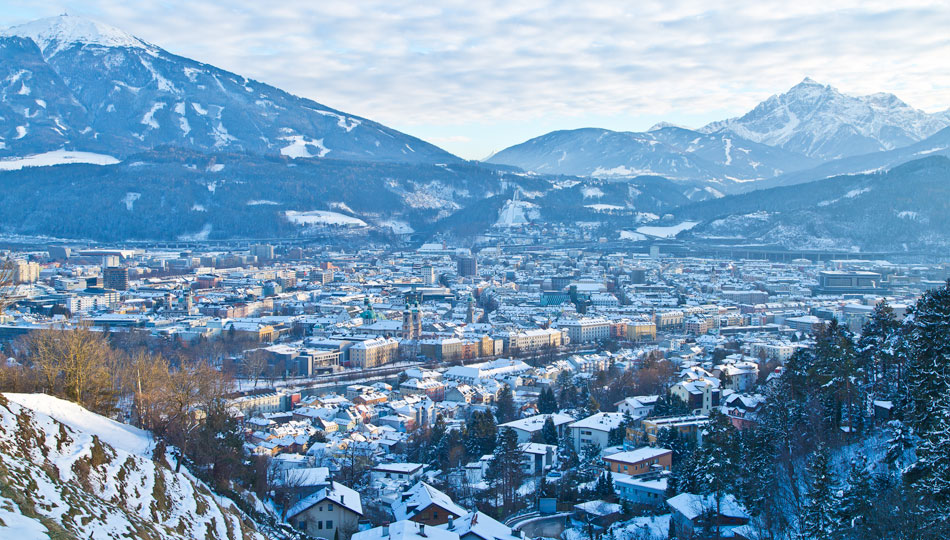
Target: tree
(481,433)
(858,502)
(73,364)
(549,432)
(505,406)
(928,393)
(505,472)
(818,520)
(547,403)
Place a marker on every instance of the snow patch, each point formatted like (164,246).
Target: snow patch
(56,157)
(198,236)
(592,192)
(667,232)
(260,202)
(299,147)
(322,217)
(632,235)
(604,207)
(397,226)
(149,118)
(517,213)
(129,200)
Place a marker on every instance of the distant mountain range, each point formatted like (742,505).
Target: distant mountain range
(106,137)
(787,134)
(72,83)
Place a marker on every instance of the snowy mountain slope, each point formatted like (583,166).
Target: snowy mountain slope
(669,151)
(109,92)
(937,144)
(68,473)
(904,209)
(819,121)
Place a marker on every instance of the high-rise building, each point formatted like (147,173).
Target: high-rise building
(467,266)
(263,252)
(116,278)
(428,275)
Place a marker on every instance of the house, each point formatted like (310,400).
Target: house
(594,430)
(700,395)
(406,530)
(696,516)
(478,526)
(527,427)
(638,407)
(425,504)
(690,425)
(397,472)
(597,514)
(645,489)
(302,482)
(537,457)
(640,461)
(333,509)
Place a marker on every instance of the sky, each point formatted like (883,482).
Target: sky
(475,77)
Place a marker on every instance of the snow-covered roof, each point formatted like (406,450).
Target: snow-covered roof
(337,493)
(406,530)
(481,526)
(534,423)
(604,421)
(420,497)
(692,506)
(640,454)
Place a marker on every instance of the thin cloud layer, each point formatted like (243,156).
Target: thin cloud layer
(478,76)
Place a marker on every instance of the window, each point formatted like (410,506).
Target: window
(329,508)
(435,515)
(319,524)
(329,524)
(319,509)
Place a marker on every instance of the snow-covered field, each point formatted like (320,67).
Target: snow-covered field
(631,235)
(517,213)
(322,217)
(56,157)
(666,232)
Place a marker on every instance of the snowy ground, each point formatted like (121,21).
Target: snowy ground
(322,217)
(666,232)
(56,157)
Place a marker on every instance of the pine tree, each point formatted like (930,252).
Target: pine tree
(549,432)
(505,472)
(481,433)
(505,409)
(547,403)
(857,503)
(928,393)
(818,520)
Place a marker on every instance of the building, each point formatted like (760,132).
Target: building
(374,352)
(533,340)
(838,282)
(424,504)
(537,457)
(645,489)
(263,252)
(586,330)
(594,430)
(397,472)
(116,278)
(699,395)
(25,271)
(526,428)
(702,517)
(641,330)
(640,461)
(334,509)
(467,267)
(690,425)
(638,406)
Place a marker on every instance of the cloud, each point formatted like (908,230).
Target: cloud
(539,62)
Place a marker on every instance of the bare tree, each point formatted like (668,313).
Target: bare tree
(74,363)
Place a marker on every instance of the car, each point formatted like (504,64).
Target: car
(554,475)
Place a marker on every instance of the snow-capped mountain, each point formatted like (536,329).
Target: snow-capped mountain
(819,121)
(66,472)
(75,84)
(665,150)
(903,209)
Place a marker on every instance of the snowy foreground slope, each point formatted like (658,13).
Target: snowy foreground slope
(66,472)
